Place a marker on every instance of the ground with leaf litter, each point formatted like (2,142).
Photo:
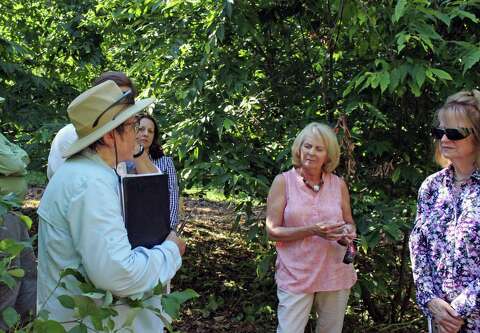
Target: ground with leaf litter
(221,266)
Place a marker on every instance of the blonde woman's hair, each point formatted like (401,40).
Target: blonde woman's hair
(465,106)
(329,139)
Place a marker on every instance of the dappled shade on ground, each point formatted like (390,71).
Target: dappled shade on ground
(221,267)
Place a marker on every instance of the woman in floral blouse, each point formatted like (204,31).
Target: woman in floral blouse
(445,242)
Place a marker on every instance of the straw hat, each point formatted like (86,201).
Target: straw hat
(99,110)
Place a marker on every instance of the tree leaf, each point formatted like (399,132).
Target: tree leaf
(470,58)
(414,88)
(110,324)
(228,7)
(48,326)
(16,272)
(464,14)
(398,75)
(441,74)
(80,328)
(171,4)
(97,322)
(228,123)
(66,301)
(171,302)
(396,175)
(11,247)
(392,230)
(399,10)
(159,289)
(427,31)
(86,306)
(43,314)
(108,298)
(435,13)
(402,38)
(72,272)
(384,80)
(95,295)
(8,280)
(171,306)
(419,75)
(372,238)
(27,220)
(10,317)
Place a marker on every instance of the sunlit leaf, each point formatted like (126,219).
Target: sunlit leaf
(470,58)
(16,272)
(399,10)
(441,74)
(27,220)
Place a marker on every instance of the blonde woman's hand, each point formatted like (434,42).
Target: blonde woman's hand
(349,233)
(447,319)
(329,231)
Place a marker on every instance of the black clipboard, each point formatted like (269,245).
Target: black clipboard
(146,208)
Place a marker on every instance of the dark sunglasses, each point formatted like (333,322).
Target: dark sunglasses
(453,134)
(126,98)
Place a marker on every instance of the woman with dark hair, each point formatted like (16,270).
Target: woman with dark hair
(148,137)
(120,78)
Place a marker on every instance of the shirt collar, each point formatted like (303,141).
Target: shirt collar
(450,174)
(476,174)
(92,155)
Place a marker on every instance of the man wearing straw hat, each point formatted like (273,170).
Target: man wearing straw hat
(81,224)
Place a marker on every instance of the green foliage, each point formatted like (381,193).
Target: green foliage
(48,326)
(10,317)
(171,302)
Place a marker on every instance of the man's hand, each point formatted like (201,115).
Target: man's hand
(447,319)
(180,243)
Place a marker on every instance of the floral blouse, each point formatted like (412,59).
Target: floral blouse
(445,245)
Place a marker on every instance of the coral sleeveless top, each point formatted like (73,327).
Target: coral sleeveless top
(312,264)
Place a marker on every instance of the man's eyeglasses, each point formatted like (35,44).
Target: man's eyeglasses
(453,134)
(126,98)
(135,124)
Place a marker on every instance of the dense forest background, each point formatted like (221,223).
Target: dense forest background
(235,80)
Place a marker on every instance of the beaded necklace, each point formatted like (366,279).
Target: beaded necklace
(314,187)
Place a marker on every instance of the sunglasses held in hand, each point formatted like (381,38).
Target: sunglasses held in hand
(453,134)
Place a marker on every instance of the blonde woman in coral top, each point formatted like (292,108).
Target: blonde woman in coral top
(309,215)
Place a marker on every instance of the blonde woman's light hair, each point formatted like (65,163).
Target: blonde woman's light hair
(463,106)
(328,137)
